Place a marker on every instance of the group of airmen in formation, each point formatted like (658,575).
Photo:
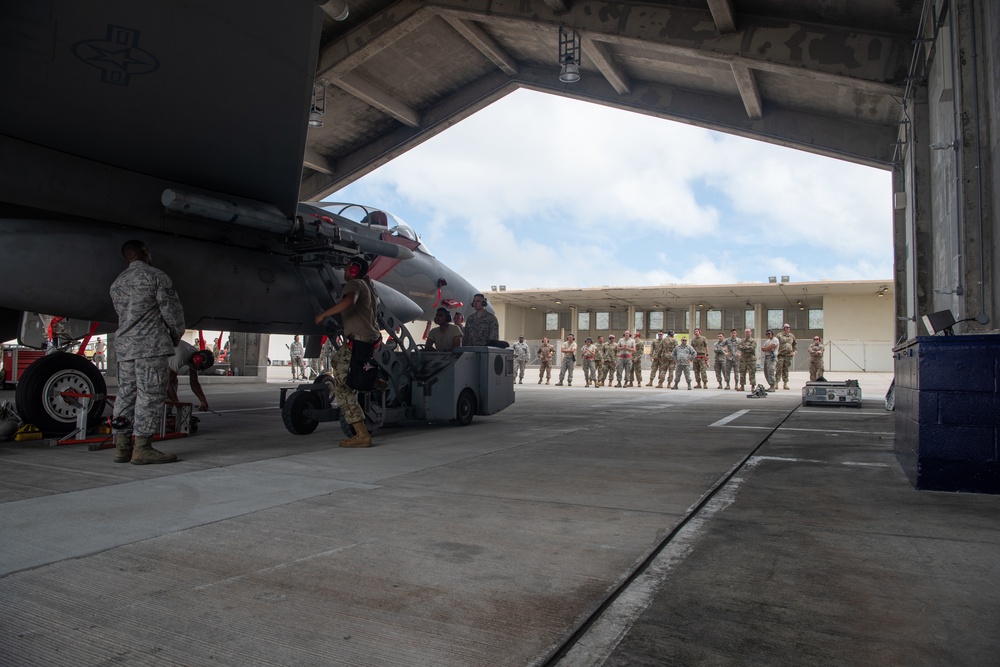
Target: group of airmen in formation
(735,360)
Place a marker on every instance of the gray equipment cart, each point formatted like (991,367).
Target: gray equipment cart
(847,393)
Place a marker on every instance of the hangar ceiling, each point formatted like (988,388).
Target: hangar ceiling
(825,77)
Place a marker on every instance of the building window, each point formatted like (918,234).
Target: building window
(713,319)
(583,321)
(656,321)
(637,324)
(775,319)
(603,321)
(749,318)
(815,318)
(619,320)
(552,321)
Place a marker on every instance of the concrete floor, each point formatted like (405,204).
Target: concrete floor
(578,527)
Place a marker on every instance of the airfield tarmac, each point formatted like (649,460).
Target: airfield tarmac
(580,526)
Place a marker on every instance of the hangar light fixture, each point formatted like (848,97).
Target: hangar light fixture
(336,9)
(318,106)
(569,55)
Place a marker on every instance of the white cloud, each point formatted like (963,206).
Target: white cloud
(540,191)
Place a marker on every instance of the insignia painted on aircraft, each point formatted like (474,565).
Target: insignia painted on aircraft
(118,55)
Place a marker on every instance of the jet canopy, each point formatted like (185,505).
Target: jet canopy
(375,219)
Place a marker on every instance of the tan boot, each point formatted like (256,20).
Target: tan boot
(144,453)
(123,447)
(362,438)
(659,385)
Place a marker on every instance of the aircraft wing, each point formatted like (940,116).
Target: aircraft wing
(210,95)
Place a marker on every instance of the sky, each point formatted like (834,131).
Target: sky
(538,191)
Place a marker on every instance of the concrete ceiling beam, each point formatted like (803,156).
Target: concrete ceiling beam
(368,92)
(602,57)
(748,91)
(723,14)
(485,44)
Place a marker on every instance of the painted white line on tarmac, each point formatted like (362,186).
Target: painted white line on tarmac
(601,639)
(842,463)
(726,420)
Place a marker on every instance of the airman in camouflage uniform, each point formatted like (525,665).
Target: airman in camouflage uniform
(732,359)
(654,357)
(748,360)
(787,348)
(150,325)
(589,353)
(520,349)
(568,360)
(608,357)
(683,354)
(640,350)
(816,351)
(720,359)
(482,325)
(357,310)
(545,353)
(770,349)
(700,345)
(667,361)
(623,366)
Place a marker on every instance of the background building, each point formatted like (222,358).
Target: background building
(855,318)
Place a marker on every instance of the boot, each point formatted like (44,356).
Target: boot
(649,384)
(539,380)
(675,386)
(558,384)
(720,385)
(786,386)
(144,453)
(123,447)
(659,385)
(696,384)
(689,386)
(727,386)
(362,438)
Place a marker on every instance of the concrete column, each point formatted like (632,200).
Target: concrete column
(248,354)
(692,312)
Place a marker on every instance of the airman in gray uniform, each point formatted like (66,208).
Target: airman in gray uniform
(520,349)
(684,355)
(748,360)
(150,325)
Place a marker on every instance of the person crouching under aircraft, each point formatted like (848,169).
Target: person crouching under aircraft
(357,305)
(188,360)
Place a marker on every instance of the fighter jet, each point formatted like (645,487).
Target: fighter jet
(252,273)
